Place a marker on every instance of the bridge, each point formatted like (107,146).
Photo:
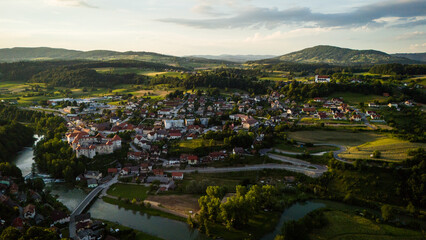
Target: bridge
(86,202)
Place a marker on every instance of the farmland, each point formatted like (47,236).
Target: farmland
(392,149)
(348,226)
(334,137)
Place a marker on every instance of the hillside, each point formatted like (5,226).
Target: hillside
(413,56)
(338,56)
(44,53)
(234,58)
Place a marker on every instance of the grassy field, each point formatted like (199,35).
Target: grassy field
(128,191)
(356,98)
(335,137)
(196,143)
(293,148)
(392,149)
(344,226)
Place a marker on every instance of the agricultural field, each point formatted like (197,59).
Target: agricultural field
(196,143)
(335,137)
(299,149)
(344,226)
(392,149)
(356,98)
(128,191)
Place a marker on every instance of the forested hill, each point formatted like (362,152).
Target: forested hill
(338,56)
(44,53)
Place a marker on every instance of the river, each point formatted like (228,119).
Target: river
(157,226)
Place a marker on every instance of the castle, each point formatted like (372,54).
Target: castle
(89,146)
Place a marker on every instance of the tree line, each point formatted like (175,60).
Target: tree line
(13,137)
(219,78)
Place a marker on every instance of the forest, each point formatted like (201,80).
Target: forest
(218,78)
(399,69)
(13,137)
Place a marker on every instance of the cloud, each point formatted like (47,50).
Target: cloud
(410,36)
(278,35)
(70,3)
(418,47)
(372,15)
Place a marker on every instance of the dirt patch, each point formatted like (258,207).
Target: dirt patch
(178,203)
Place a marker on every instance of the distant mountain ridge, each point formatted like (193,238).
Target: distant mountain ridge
(413,56)
(46,53)
(338,56)
(235,58)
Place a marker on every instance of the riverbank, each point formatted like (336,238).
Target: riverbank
(126,233)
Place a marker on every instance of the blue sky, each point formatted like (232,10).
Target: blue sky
(185,27)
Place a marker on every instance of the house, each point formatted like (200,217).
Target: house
(309,110)
(356,117)
(29,211)
(125,171)
(238,151)
(93,175)
(158,172)
(339,116)
(322,79)
(251,122)
(59,217)
(391,105)
(177,175)
(92,183)
(112,171)
(192,159)
(373,105)
(322,115)
(375,116)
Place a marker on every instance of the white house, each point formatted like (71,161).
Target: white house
(322,78)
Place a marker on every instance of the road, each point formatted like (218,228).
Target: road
(298,162)
(301,169)
(86,202)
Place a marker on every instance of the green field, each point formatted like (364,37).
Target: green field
(293,148)
(128,191)
(344,226)
(356,98)
(392,149)
(335,137)
(196,143)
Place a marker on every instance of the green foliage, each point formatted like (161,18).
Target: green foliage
(340,56)
(387,212)
(398,69)
(376,154)
(299,230)
(32,233)
(13,137)
(237,209)
(8,169)
(218,78)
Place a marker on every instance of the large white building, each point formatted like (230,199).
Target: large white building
(322,78)
(179,123)
(89,146)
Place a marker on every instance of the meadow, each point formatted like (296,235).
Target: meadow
(392,149)
(335,137)
(345,226)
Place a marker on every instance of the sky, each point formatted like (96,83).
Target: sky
(189,27)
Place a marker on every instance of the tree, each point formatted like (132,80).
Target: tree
(376,154)
(10,233)
(387,212)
